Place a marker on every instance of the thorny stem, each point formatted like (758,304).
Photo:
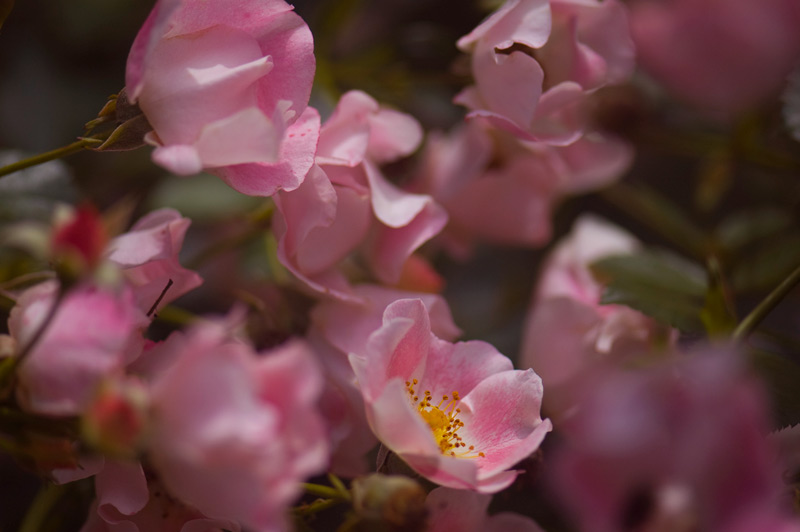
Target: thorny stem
(751,321)
(69,149)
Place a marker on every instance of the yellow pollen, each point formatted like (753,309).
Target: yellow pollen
(443,422)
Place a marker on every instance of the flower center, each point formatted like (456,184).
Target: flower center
(443,421)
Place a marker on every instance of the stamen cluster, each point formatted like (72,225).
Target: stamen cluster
(443,421)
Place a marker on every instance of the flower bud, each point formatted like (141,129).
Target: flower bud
(78,241)
(388,503)
(115,420)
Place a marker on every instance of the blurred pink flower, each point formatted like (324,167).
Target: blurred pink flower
(458,414)
(345,204)
(533,61)
(722,56)
(220,83)
(513,184)
(451,510)
(127,501)
(680,446)
(569,334)
(94,332)
(233,434)
(148,257)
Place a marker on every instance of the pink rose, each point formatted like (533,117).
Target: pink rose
(458,414)
(93,334)
(148,257)
(221,83)
(342,327)
(346,205)
(127,501)
(721,56)
(516,194)
(534,60)
(569,334)
(680,446)
(233,433)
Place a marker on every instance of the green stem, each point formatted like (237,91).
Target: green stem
(41,508)
(751,321)
(322,491)
(69,149)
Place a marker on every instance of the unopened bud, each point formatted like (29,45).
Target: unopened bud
(389,503)
(115,421)
(78,242)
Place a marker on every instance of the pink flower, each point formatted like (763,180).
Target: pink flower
(342,327)
(458,414)
(346,205)
(148,256)
(721,56)
(451,510)
(127,501)
(93,334)
(233,433)
(518,192)
(533,60)
(568,333)
(680,446)
(220,83)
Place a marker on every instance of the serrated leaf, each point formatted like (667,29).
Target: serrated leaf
(782,377)
(669,289)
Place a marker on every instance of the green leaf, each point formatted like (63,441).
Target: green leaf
(665,287)
(746,227)
(782,377)
(767,266)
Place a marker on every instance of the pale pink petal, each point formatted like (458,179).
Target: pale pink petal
(180,159)
(501,419)
(244,137)
(296,158)
(121,486)
(388,248)
(523,21)
(393,206)
(510,85)
(392,135)
(344,137)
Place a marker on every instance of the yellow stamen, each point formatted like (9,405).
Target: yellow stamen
(443,421)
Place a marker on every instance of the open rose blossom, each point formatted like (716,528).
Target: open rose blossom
(220,82)
(232,433)
(569,335)
(534,60)
(346,205)
(458,414)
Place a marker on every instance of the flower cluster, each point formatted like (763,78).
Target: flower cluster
(314,334)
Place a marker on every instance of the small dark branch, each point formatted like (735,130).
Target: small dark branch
(163,293)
